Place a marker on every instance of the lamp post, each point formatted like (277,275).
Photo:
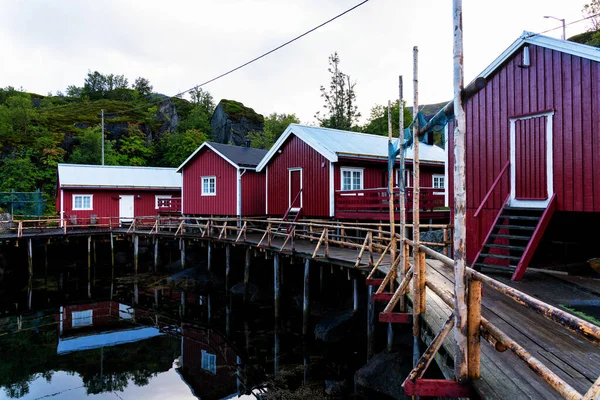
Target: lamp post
(563,25)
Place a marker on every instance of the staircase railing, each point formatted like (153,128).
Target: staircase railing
(491,190)
(287,213)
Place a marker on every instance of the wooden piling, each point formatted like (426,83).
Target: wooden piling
(135,252)
(354,294)
(209,261)
(247,272)
(89,266)
(391,195)
(306,302)
(370,324)
(156,253)
(30,257)
(227,266)
(182,252)
(276,283)
(402,188)
(460,203)
(473,331)
(112,251)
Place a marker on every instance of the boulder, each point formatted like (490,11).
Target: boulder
(334,327)
(232,121)
(384,373)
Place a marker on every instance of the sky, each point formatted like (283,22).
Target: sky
(46,45)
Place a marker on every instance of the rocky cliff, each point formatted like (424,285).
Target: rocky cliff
(232,121)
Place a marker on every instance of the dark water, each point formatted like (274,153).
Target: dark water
(122,335)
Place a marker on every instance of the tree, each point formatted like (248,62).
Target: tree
(133,149)
(17,172)
(592,10)
(340,99)
(143,86)
(204,99)
(88,150)
(175,147)
(74,91)
(377,124)
(275,125)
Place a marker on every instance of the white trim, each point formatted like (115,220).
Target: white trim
(238,201)
(446,199)
(62,208)
(290,170)
(352,169)
(206,144)
(331,189)
(433,176)
(267,191)
(91,207)
(202,178)
(160,196)
(549,163)
(182,202)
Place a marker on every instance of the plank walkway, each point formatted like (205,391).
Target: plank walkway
(504,375)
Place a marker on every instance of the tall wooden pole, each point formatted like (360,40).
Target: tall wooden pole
(391,193)
(460,202)
(401,185)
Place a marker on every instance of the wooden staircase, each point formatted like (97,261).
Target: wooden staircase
(513,238)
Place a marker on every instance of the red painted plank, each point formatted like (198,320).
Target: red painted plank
(587,135)
(436,388)
(535,240)
(576,118)
(397,318)
(373,282)
(382,296)
(595,114)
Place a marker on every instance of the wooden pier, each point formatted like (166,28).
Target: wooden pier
(531,347)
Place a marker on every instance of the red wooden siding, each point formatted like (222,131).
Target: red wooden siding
(105,203)
(104,314)
(530,157)
(315,175)
(208,163)
(566,84)
(253,193)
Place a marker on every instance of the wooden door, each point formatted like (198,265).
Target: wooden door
(531,174)
(295,197)
(126,208)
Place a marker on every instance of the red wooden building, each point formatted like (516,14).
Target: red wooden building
(220,179)
(331,173)
(533,149)
(94,194)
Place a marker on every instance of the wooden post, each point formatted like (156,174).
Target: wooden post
(390,337)
(112,251)
(276,282)
(209,256)
(247,273)
(391,196)
(473,322)
(156,253)
(135,252)
(446,247)
(460,306)
(94,253)
(182,249)
(401,183)
(306,302)
(89,262)
(227,266)
(370,324)
(354,295)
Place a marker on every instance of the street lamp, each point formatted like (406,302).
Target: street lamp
(563,25)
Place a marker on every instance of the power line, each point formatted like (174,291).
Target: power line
(248,62)
(570,23)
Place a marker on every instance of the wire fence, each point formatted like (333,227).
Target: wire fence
(23,203)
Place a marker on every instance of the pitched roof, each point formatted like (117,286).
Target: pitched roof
(238,156)
(332,143)
(108,176)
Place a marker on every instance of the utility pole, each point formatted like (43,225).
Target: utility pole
(102,136)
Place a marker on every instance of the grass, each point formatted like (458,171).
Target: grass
(582,315)
(237,110)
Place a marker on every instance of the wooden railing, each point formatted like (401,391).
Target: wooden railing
(374,203)
(169,206)
(491,189)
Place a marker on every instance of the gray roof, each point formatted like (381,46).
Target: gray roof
(238,156)
(332,143)
(108,176)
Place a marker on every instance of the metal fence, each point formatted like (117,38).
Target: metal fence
(23,203)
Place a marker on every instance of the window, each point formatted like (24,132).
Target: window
(125,312)
(82,202)
(438,182)
(352,178)
(160,196)
(209,362)
(209,186)
(82,318)
(407,176)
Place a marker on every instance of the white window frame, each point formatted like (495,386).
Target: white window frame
(352,170)
(208,178)
(209,362)
(91,207)
(407,175)
(82,318)
(438,176)
(160,196)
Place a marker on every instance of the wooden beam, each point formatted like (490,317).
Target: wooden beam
(397,318)
(436,388)
(473,331)
(431,351)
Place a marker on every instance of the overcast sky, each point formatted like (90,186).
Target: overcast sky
(48,45)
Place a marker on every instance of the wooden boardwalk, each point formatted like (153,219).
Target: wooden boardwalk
(503,374)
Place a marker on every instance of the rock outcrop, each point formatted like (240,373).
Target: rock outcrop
(232,121)
(384,373)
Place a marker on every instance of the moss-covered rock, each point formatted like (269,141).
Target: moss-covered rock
(232,121)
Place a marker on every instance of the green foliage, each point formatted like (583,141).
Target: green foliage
(133,149)
(197,119)
(174,148)
(340,99)
(98,86)
(88,150)
(275,125)
(591,38)
(237,111)
(204,99)
(18,172)
(377,123)
(143,86)
(592,11)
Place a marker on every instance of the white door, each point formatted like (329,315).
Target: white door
(126,208)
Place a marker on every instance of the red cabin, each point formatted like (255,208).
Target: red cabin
(94,194)
(533,150)
(220,179)
(329,173)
